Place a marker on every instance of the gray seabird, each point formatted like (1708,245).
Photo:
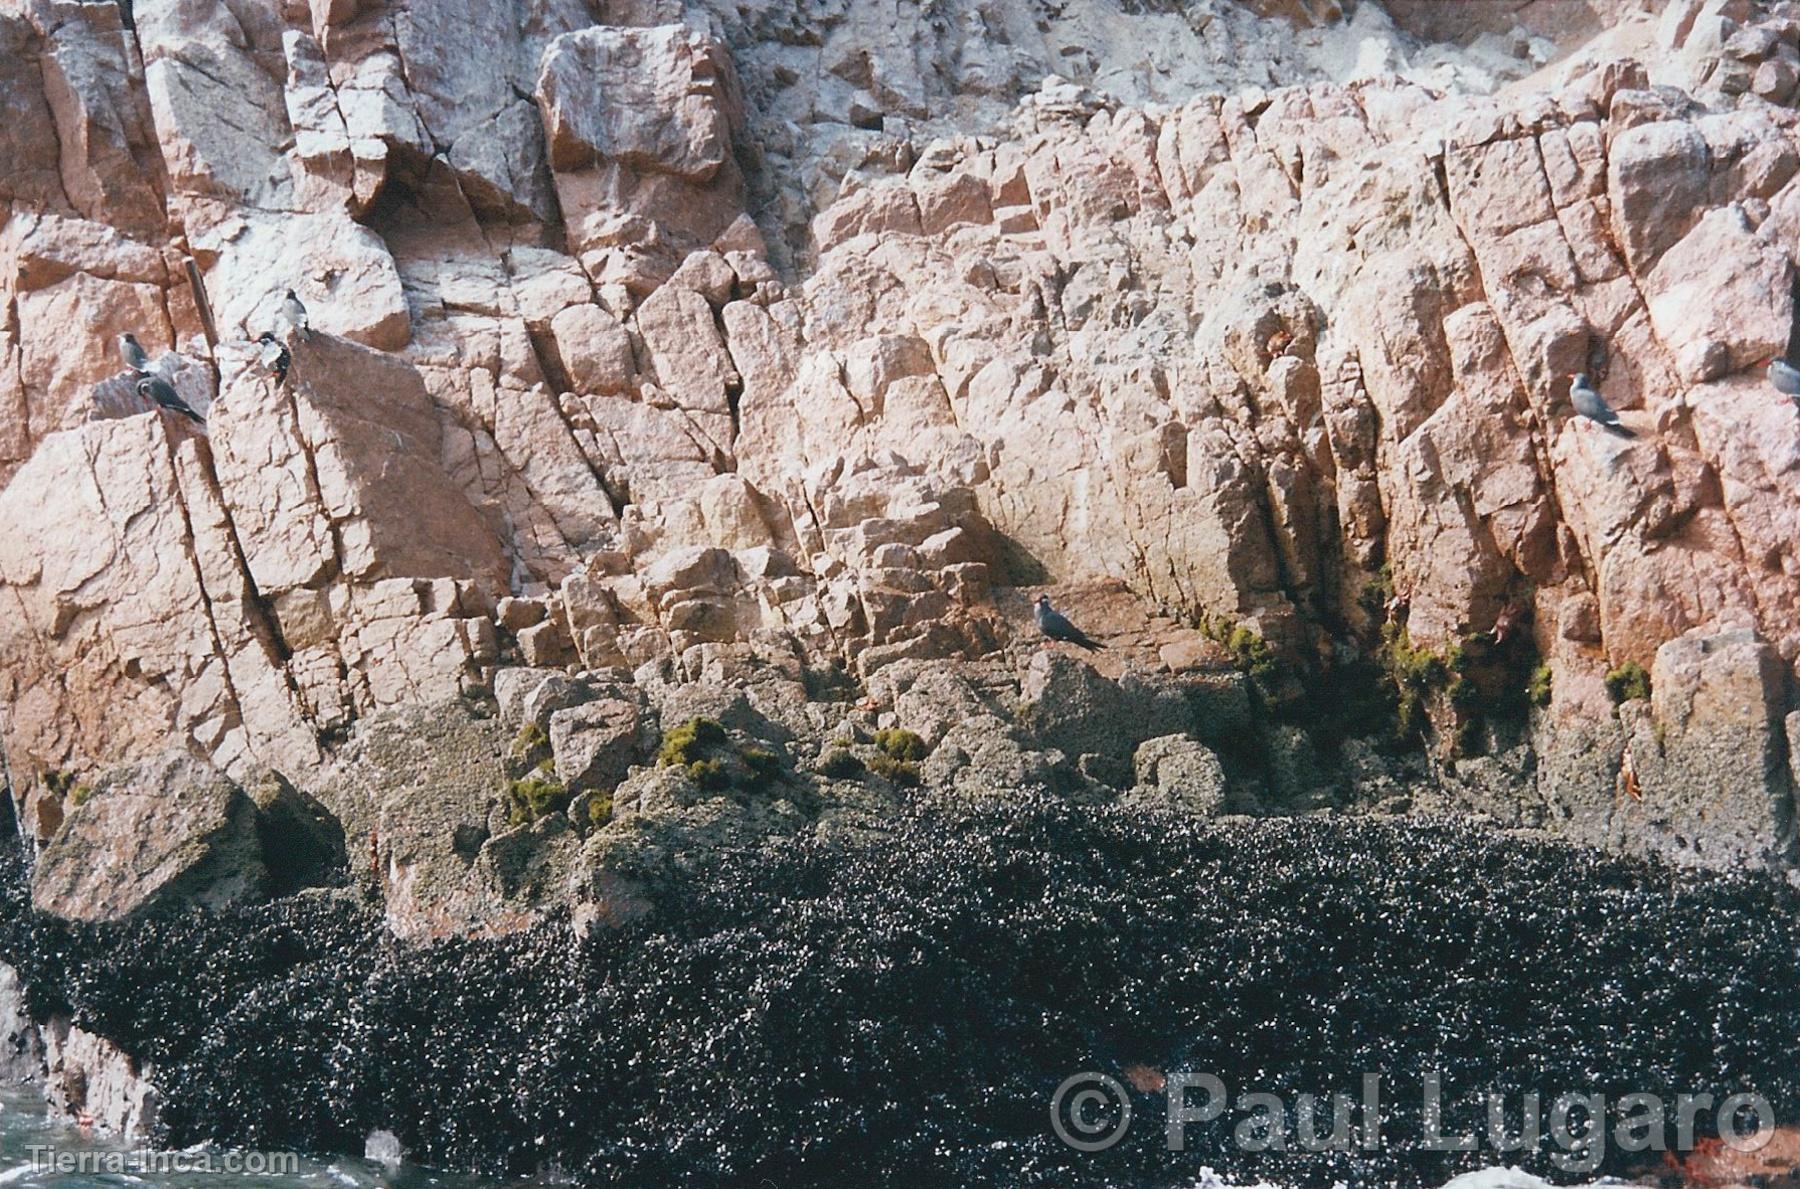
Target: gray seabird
(295,313)
(163,393)
(1052,624)
(132,352)
(1784,376)
(273,355)
(1590,404)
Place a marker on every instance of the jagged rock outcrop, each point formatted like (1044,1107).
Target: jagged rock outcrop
(175,832)
(780,351)
(1177,772)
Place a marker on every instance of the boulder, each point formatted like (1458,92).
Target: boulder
(466,71)
(555,693)
(660,105)
(640,124)
(931,697)
(983,757)
(1721,284)
(1178,772)
(1068,704)
(421,793)
(594,349)
(28,133)
(91,1080)
(1656,178)
(532,865)
(1712,781)
(21,1043)
(302,844)
(515,685)
(686,352)
(164,833)
(594,743)
(621,866)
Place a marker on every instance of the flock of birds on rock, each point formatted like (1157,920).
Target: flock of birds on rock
(1052,624)
(152,387)
(271,353)
(274,356)
(1583,396)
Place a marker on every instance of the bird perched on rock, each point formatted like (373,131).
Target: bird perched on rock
(273,355)
(1784,377)
(1590,404)
(163,393)
(295,313)
(1056,627)
(132,352)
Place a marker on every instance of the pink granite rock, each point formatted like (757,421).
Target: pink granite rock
(641,342)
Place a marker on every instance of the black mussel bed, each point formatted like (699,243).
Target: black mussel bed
(901,1007)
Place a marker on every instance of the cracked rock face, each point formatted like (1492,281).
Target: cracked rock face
(647,335)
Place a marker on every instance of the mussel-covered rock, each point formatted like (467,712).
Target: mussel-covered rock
(899,1003)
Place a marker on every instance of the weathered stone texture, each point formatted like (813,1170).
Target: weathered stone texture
(636,343)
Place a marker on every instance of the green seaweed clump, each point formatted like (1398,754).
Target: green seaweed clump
(1249,651)
(1421,674)
(897,756)
(64,784)
(478,700)
(687,744)
(538,794)
(711,774)
(1378,592)
(764,765)
(1537,690)
(530,739)
(600,810)
(1416,673)
(1627,683)
(904,773)
(840,763)
(901,744)
(702,749)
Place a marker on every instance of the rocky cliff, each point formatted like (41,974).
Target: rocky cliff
(696,396)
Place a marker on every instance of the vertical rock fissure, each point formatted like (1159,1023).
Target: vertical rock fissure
(1539,435)
(265,617)
(191,540)
(557,383)
(338,553)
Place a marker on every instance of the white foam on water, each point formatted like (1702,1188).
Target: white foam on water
(1487,1178)
(1517,1178)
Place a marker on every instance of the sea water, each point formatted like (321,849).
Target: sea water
(39,1150)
